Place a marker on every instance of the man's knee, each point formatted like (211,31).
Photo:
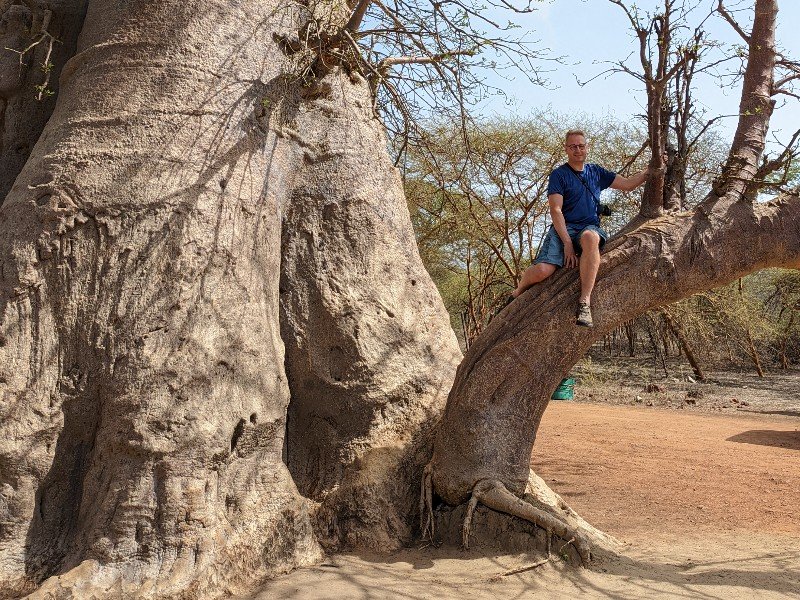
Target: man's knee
(543,270)
(590,239)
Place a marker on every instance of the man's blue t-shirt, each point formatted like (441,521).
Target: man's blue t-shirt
(580,208)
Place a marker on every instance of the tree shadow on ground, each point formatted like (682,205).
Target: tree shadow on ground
(766,437)
(644,577)
(449,572)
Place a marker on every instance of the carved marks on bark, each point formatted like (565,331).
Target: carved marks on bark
(249,436)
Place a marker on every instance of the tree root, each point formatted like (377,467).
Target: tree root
(426,503)
(540,493)
(541,506)
(494,494)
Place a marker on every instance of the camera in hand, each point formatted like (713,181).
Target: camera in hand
(604,210)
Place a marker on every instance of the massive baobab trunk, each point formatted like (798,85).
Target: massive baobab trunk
(484,442)
(186,210)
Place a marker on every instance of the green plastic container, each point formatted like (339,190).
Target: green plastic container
(565,390)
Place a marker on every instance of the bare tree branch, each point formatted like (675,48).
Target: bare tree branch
(729,18)
(409,60)
(782,161)
(358,15)
(786,93)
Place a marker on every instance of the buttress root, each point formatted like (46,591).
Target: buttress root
(493,494)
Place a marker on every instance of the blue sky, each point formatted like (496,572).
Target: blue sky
(588,32)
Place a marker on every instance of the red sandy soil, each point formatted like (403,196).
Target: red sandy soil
(637,472)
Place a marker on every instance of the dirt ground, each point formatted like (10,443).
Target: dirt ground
(700,480)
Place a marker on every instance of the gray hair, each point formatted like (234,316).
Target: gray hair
(572,132)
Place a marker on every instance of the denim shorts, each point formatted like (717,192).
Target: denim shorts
(552,249)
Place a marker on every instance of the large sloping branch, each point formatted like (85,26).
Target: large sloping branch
(505,380)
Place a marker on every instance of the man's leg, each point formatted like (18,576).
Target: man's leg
(589,264)
(534,274)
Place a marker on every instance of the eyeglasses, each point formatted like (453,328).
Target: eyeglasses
(574,147)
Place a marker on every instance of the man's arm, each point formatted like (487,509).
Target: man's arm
(628,184)
(556,202)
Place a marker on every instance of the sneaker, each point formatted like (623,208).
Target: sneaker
(584,315)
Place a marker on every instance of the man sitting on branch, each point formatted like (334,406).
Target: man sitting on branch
(575,238)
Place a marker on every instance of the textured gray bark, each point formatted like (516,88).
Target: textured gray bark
(369,352)
(22,116)
(144,395)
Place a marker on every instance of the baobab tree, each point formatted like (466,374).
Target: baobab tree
(219,350)
(199,237)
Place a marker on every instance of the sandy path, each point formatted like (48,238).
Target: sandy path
(708,503)
(638,472)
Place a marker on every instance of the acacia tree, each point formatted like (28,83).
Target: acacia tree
(218,346)
(502,387)
(749,321)
(481,206)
